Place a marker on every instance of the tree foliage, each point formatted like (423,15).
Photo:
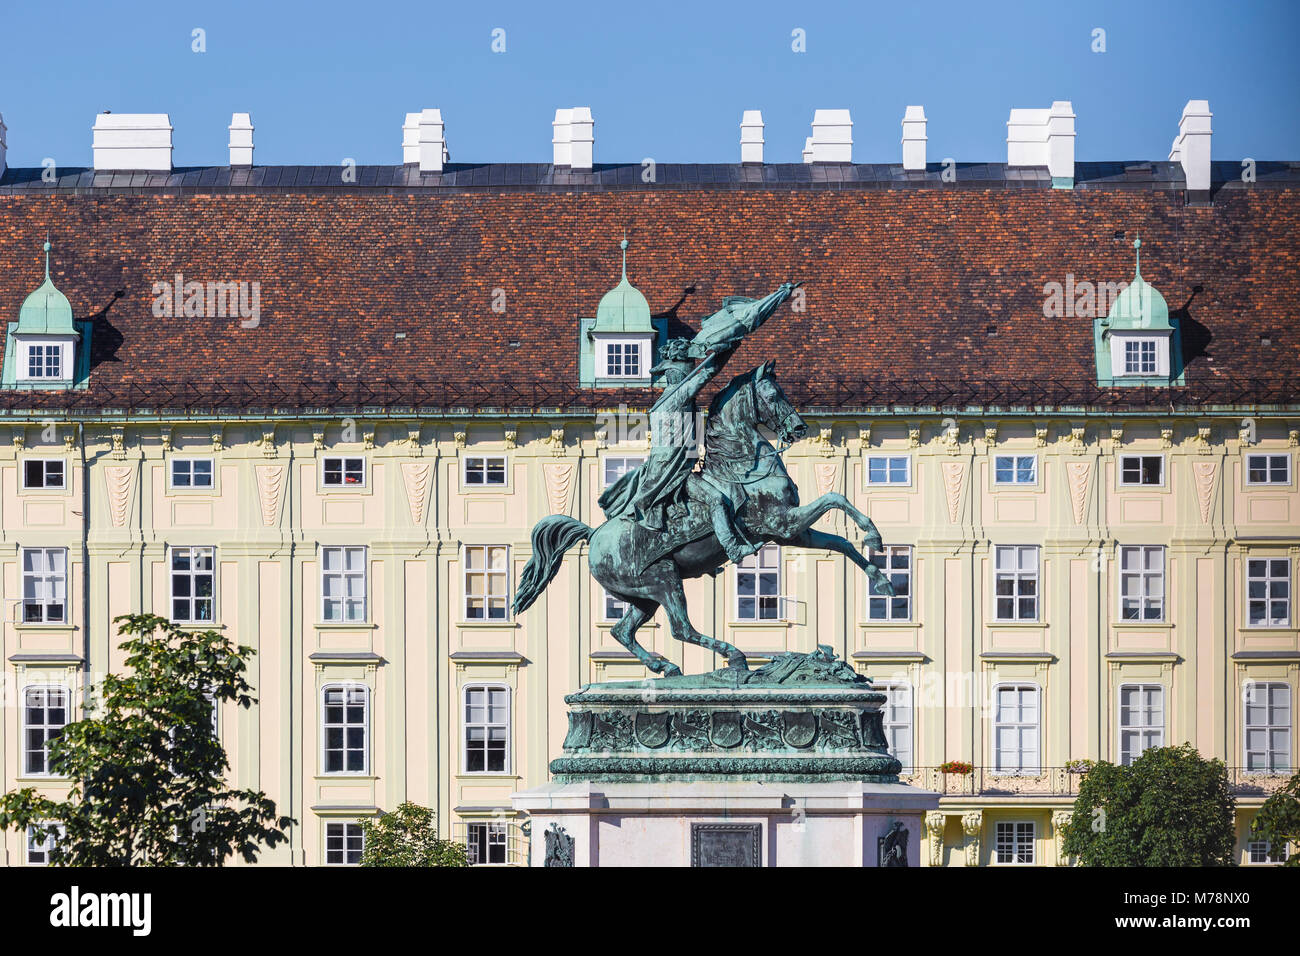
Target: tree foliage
(1170,807)
(408,837)
(1278,821)
(147,773)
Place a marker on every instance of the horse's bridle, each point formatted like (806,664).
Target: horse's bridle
(776,454)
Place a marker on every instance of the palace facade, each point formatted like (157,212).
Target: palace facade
(1090,504)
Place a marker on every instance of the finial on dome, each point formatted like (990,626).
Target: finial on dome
(47,255)
(623,245)
(1137,257)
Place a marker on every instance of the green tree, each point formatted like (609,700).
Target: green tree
(408,837)
(1170,807)
(147,772)
(1278,821)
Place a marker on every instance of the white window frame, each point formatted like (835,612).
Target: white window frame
(1147,581)
(45,463)
(487,725)
(639,343)
(1139,345)
(1018,575)
(889,462)
(348,688)
(1270,581)
(885,560)
(23,372)
(483,467)
(490,829)
(57,832)
(191,460)
(343,837)
(1264,847)
(344,574)
(1015,479)
(1016,831)
(1148,730)
(1021,726)
(899,716)
(47,584)
(173,552)
(343,472)
(623,468)
(47,729)
(752,566)
(1125,483)
(608,605)
(1278,728)
(489,576)
(1270,458)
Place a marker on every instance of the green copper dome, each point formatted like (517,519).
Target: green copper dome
(1139,306)
(47,310)
(623,308)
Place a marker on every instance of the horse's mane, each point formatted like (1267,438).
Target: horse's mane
(724,396)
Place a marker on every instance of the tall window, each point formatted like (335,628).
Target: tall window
(1015,469)
(896,564)
(1268,592)
(43,473)
(1141,720)
(623,360)
(192,584)
(1140,357)
(1267,726)
(45,714)
(1013,842)
(486,582)
(1268,469)
(345,728)
(889,470)
(343,584)
(45,585)
(487,728)
(1142,583)
(485,471)
(39,849)
(1016,582)
(337,470)
(897,714)
(616,468)
(758,585)
(1142,470)
(191,472)
(487,843)
(343,844)
(1015,728)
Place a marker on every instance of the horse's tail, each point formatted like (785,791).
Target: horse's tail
(553,536)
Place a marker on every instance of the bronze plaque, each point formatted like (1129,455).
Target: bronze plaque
(726,844)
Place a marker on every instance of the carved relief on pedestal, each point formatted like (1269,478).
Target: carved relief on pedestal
(559,477)
(1078,473)
(934,824)
(1060,819)
(972,824)
(415,476)
(1204,473)
(117,478)
(270,479)
(954,477)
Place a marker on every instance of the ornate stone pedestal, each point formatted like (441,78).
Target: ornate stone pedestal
(786,765)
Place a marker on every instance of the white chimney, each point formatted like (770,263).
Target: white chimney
(561,147)
(807,150)
(411,139)
(132,141)
(582,138)
(832,137)
(914,138)
(241,139)
(1044,138)
(1191,147)
(3,147)
(751,136)
(432,141)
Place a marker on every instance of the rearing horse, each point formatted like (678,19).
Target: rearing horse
(738,458)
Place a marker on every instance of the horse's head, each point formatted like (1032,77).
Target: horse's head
(773,409)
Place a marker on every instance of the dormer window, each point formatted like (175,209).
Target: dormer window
(44,361)
(617,346)
(622,356)
(1137,342)
(1140,357)
(46,346)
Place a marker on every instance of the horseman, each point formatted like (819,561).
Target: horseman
(668,478)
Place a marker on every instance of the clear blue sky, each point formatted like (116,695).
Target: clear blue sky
(329,79)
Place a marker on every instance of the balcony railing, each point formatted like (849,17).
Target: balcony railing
(1059,781)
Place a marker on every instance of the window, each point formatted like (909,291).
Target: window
(614,608)
(338,471)
(43,473)
(1141,470)
(191,473)
(1016,582)
(616,468)
(1141,720)
(343,844)
(1268,592)
(897,713)
(758,585)
(1268,469)
(1015,730)
(1142,583)
(45,714)
(623,360)
(1267,727)
(896,563)
(1015,469)
(485,471)
(345,726)
(889,470)
(1140,357)
(45,585)
(45,361)
(487,728)
(486,582)
(192,585)
(487,843)
(1257,852)
(40,849)
(343,584)
(1014,842)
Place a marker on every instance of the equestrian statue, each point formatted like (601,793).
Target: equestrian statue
(673,518)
